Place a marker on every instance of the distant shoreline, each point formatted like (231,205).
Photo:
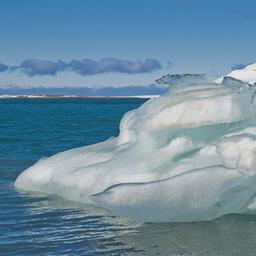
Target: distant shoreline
(74,97)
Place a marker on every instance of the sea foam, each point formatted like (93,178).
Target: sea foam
(189,155)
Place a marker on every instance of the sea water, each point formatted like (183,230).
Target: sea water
(41,224)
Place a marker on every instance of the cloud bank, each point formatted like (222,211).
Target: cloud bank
(91,67)
(84,67)
(33,67)
(3,67)
(239,66)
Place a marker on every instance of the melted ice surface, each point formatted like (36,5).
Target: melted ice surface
(189,155)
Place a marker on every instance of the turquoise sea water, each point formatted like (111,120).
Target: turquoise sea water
(39,224)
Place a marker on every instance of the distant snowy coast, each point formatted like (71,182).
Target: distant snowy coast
(74,96)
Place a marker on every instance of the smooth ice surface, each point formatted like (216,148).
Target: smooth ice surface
(189,155)
(200,194)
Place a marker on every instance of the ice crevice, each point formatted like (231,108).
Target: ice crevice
(189,155)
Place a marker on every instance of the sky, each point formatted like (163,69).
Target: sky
(97,43)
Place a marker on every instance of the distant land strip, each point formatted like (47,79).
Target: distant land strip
(74,97)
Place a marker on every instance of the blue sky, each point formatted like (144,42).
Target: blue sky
(123,42)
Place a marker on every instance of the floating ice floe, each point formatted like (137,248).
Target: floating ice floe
(189,155)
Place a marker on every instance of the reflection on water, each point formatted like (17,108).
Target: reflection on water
(229,235)
(39,224)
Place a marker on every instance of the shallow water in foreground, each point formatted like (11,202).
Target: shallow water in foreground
(37,224)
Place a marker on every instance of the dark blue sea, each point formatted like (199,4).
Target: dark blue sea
(39,224)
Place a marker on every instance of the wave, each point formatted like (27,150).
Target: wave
(189,155)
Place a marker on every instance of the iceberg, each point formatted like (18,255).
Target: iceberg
(189,155)
(246,74)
